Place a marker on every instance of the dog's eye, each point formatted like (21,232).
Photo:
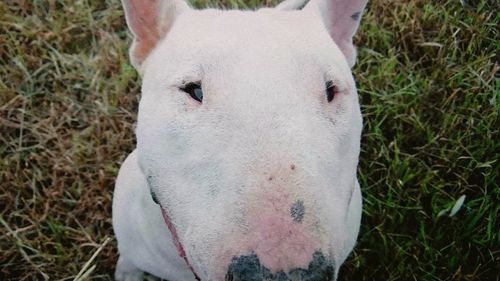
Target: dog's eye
(331,91)
(194,90)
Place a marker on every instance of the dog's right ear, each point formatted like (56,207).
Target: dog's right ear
(149,21)
(341,19)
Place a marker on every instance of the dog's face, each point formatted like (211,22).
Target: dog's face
(248,133)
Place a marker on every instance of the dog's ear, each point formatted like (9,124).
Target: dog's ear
(149,21)
(341,18)
(288,5)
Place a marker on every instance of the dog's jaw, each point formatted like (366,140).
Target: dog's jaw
(177,242)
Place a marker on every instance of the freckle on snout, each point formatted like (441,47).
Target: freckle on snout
(292,167)
(297,211)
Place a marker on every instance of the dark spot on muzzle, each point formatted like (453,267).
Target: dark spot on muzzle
(297,211)
(248,268)
(356,16)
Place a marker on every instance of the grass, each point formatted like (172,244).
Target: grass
(429,88)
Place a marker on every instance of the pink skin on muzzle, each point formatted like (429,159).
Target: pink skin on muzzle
(280,243)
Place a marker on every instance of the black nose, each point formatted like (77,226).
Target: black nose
(248,268)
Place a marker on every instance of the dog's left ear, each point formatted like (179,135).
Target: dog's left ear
(149,21)
(341,18)
(288,5)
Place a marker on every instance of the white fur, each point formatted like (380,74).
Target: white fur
(264,109)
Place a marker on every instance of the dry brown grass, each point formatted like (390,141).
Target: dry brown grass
(67,112)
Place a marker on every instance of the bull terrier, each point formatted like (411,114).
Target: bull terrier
(248,139)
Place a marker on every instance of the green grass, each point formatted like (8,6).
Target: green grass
(428,82)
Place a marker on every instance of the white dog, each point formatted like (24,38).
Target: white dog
(248,139)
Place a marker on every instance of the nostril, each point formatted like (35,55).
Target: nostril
(297,211)
(320,269)
(249,268)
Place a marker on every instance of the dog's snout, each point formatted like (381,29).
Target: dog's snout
(249,268)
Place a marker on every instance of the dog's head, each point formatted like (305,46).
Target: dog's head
(249,132)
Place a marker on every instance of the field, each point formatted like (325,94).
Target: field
(428,83)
